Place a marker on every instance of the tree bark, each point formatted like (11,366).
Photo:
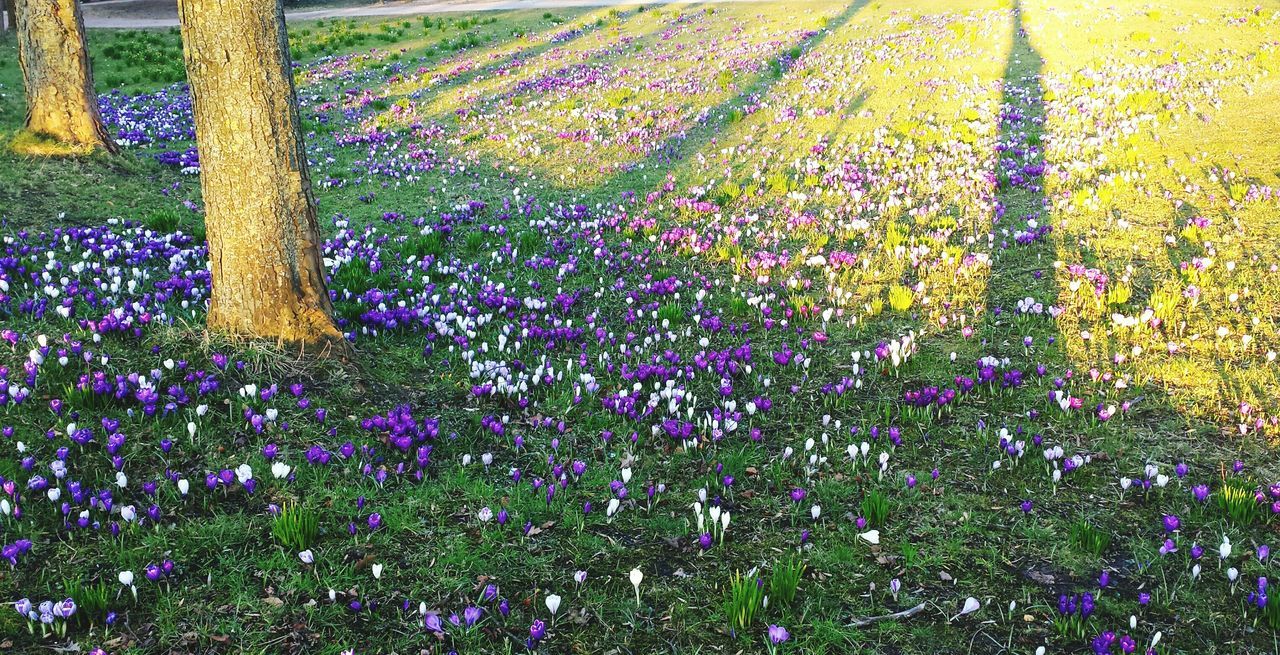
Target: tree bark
(260,216)
(61,102)
(11,14)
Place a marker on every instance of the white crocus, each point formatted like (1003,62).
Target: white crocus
(636,578)
(971,605)
(280,470)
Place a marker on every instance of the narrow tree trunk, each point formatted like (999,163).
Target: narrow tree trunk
(61,102)
(11,14)
(260,216)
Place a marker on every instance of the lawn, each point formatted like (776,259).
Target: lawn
(965,311)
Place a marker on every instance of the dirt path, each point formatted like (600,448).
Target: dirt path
(140,14)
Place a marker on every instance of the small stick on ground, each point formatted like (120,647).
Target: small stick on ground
(858,623)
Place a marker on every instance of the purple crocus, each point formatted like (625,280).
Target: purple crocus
(537,631)
(431,621)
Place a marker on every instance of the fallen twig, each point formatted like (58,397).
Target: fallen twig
(858,623)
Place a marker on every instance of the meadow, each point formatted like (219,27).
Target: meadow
(804,327)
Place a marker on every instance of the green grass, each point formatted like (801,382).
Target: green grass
(240,585)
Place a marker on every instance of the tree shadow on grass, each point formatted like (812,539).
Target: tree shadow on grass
(681,145)
(686,140)
(509,53)
(1151,428)
(1024,251)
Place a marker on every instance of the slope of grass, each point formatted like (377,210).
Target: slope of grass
(963,235)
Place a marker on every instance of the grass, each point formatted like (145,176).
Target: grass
(654,188)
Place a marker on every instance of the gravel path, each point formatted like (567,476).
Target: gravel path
(140,14)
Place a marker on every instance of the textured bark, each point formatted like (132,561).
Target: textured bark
(260,216)
(10,14)
(61,102)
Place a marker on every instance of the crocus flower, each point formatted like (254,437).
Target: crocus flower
(636,578)
(537,630)
(431,621)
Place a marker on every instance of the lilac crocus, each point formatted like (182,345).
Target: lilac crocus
(431,621)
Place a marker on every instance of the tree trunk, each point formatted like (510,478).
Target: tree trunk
(11,14)
(61,102)
(260,216)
